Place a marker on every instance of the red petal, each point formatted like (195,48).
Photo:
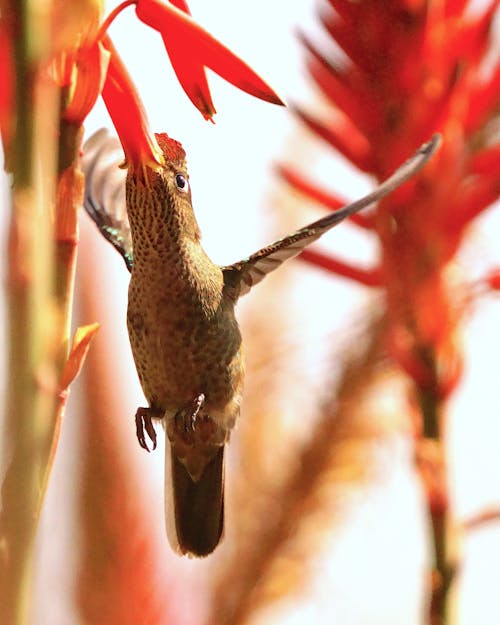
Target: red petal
(7,87)
(344,137)
(483,101)
(91,66)
(341,88)
(189,72)
(368,277)
(303,185)
(455,7)
(190,47)
(349,43)
(192,77)
(128,114)
(475,198)
(492,279)
(487,161)
(182,5)
(347,10)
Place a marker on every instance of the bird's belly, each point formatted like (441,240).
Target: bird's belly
(180,353)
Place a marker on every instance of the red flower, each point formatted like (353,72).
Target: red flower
(409,70)
(191,49)
(128,115)
(94,67)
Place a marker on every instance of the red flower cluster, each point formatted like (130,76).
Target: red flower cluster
(409,69)
(93,67)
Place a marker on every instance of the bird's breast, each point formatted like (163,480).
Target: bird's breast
(184,337)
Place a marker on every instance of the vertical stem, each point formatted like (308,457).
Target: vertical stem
(31,383)
(430,461)
(41,262)
(69,197)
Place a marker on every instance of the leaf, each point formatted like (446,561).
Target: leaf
(78,352)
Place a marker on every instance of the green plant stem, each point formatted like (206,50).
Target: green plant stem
(41,261)
(31,382)
(69,197)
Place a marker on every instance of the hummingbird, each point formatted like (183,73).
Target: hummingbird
(183,332)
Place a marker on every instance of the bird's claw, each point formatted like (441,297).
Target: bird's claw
(144,423)
(185,419)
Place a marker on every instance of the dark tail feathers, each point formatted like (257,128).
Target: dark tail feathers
(194,510)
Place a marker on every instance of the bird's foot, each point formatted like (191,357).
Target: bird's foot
(185,419)
(195,438)
(189,429)
(144,423)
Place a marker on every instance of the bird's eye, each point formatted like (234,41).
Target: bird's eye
(181,182)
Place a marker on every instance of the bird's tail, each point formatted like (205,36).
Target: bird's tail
(194,510)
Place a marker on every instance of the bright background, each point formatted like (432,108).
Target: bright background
(238,202)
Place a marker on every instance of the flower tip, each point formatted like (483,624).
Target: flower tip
(273,98)
(155,158)
(140,149)
(154,162)
(205,106)
(261,90)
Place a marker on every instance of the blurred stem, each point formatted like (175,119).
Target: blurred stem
(69,196)
(430,455)
(429,407)
(39,285)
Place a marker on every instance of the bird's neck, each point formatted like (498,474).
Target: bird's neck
(158,222)
(166,245)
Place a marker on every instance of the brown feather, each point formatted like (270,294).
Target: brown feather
(198,506)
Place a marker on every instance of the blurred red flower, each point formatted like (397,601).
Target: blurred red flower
(407,70)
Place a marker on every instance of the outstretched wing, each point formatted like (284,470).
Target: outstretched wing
(104,198)
(243,275)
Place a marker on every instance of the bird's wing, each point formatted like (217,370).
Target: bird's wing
(243,275)
(104,198)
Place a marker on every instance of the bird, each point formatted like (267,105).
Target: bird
(184,335)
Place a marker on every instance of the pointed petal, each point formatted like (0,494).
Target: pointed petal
(343,136)
(191,76)
(345,88)
(474,199)
(343,36)
(483,101)
(128,115)
(79,350)
(190,73)
(187,40)
(367,277)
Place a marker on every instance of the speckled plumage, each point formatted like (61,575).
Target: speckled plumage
(185,341)
(184,335)
(183,332)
